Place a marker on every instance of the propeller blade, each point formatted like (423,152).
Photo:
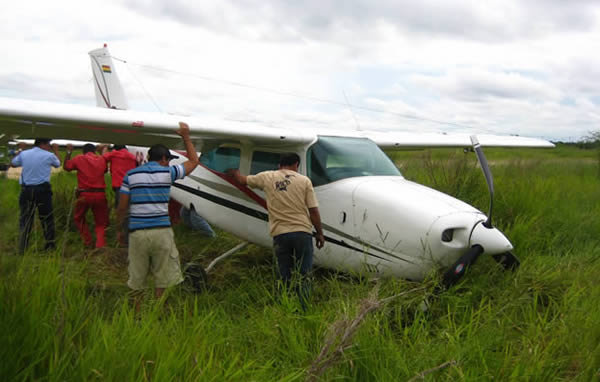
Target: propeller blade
(488,176)
(459,268)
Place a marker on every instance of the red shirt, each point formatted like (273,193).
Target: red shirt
(121,161)
(90,170)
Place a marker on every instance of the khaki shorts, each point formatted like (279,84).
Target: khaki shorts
(153,249)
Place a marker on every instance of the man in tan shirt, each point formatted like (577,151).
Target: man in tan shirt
(293,211)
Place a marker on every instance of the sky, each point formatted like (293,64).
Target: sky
(505,67)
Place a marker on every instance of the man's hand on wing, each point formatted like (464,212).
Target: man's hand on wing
(102,148)
(192,155)
(184,130)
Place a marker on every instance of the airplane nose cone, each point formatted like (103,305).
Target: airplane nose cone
(492,240)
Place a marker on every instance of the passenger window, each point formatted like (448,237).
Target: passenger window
(221,159)
(264,161)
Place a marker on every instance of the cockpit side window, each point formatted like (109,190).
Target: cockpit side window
(264,161)
(336,158)
(221,158)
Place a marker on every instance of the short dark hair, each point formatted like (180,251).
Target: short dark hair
(289,159)
(119,147)
(88,148)
(160,151)
(41,141)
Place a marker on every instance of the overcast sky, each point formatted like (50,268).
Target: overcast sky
(506,67)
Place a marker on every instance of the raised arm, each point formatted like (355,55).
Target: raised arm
(55,152)
(68,157)
(192,162)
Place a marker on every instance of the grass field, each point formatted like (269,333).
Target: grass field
(67,315)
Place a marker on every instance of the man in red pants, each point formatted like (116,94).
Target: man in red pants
(121,161)
(90,192)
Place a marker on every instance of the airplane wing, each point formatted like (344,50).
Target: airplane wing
(24,119)
(406,141)
(29,119)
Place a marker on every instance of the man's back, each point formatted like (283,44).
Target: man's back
(90,170)
(121,161)
(289,196)
(148,187)
(36,164)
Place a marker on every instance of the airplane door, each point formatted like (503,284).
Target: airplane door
(337,218)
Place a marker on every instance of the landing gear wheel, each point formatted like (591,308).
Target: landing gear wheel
(507,260)
(195,278)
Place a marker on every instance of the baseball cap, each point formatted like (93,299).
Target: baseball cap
(158,151)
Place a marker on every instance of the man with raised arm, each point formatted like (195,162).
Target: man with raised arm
(35,190)
(120,161)
(90,192)
(293,211)
(145,195)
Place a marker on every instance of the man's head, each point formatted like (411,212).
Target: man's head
(290,161)
(88,148)
(161,154)
(119,147)
(42,143)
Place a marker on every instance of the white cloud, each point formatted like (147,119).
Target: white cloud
(500,66)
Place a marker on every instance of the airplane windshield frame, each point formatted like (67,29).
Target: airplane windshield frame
(335,158)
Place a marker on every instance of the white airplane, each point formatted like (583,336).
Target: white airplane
(375,221)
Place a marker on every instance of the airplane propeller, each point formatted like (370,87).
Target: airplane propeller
(487,174)
(506,259)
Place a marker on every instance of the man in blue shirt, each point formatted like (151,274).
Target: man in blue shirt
(35,190)
(145,194)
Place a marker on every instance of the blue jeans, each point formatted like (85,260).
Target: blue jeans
(294,252)
(193,220)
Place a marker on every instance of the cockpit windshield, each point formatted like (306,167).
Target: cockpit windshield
(335,158)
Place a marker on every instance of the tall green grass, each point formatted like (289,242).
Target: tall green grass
(71,317)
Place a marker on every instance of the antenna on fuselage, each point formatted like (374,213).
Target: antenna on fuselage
(352,111)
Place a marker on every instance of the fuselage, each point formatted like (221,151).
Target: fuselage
(373,224)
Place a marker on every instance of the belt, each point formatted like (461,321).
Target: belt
(90,190)
(147,228)
(45,184)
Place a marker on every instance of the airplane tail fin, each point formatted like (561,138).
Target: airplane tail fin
(108,89)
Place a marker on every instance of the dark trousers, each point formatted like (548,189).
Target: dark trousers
(32,197)
(117,196)
(294,252)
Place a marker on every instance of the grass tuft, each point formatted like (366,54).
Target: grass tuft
(71,317)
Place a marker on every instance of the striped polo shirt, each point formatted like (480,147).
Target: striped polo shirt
(148,187)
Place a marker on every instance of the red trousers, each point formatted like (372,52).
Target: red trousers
(96,201)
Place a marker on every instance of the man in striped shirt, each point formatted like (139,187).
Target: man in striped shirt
(145,194)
